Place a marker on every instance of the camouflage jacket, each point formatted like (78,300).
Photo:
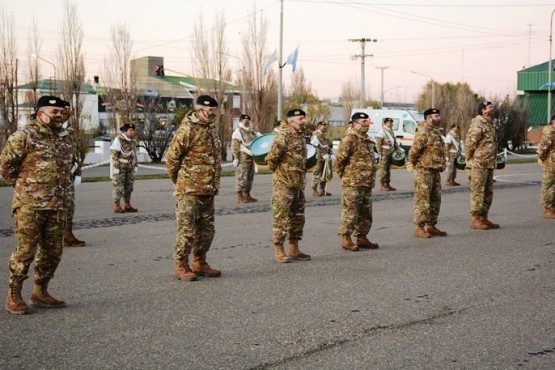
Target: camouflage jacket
(354,160)
(427,150)
(124,153)
(193,161)
(546,147)
(37,162)
(481,144)
(452,144)
(322,144)
(242,137)
(287,158)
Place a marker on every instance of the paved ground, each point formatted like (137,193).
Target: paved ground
(472,300)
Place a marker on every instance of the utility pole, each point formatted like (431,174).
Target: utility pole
(362,56)
(381,93)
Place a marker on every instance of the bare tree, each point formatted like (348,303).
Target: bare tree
(8,77)
(120,94)
(211,65)
(510,121)
(33,51)
(259,91)
(72,65)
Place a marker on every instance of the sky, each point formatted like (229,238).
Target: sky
(483,43)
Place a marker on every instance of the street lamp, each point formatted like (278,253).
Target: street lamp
(49,62)
(433,85)
(550,67)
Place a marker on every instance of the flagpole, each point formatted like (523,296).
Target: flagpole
(280,58)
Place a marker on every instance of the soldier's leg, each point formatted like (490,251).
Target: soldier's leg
(297,216)
(205,222)
(349,209)
(249,169)
(478,180)
(240,177)
(488,190)
(548,190)
(129,182)
(281,205)
(435,198)
(386,169)
(50,249)
(118,183)
(422,194)
(28,234)
(187,230)
(316,175)
(364,212)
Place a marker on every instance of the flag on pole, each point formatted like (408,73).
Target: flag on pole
(292,59)
(271,60)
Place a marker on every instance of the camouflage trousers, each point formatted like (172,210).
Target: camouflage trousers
(195,225)
(317,174)
(481,191)
(385,168)
(244,175)
(356,214)
(548,190)
(450,168)
(70,209)
(288,214)
(123,185)
(427,197)
(38,236)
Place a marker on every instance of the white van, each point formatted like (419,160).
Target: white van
(404,123)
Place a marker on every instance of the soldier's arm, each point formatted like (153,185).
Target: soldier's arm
(379,143)
(12,157)
(235,148)
(274,155)
(342,156)
(544,145)
(176,151)
(417,147)
(472,138)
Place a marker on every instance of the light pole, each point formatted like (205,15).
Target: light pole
(381,94)
(433,85)
(53,66)
(550,67)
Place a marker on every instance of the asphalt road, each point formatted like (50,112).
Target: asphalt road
(471,300)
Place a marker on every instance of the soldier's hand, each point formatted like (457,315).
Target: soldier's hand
(325,157)
(410,167)
(77,180)
(115,171)
(235,162)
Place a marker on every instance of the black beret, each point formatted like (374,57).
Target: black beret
(51,101)
(295,113)
(429,111)
(207,101)
(244,116)
(387,119)
(359,115)
(483,105)
(126,127)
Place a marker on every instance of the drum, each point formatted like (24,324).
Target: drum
(398,157)
(260,148)
(501,161)
(460,162)
(310,156)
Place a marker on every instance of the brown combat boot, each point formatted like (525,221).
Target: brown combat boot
(323,193)
(419,232)
(364,243)
(117,208)
(14,302)
(241,197)
(478,223)
(295,253)
(71,241)
(434,231)
(347,243)
(247,196)
(183,272)
(549,213)
(450,183)
(315,192)
(280,255)
(127,207)
(389,187)
(490,224)
(456,183)
(40,296)
(200,267)
(383,186)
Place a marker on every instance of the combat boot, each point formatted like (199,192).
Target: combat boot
(247,196)
(241,197)
(489,223)
(419,232)
(280,255)
(117,208)
(549,213)
(40,296)
(201,268)
(323,193)
(347,243)
(315,192)
(183,272)
(14,302)
(364,243)
(389,187)
(71,241)
(478,223)
(434,231)
(456,183)
(450,183)
(383,187)
(127,207)
(295,253)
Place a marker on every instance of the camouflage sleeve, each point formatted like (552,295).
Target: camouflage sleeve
(379,143)
(417,147)
(218,163)
(473,137)
(342,155)
(544,145)
(235,148)
(12,156)
(277,149)
(176,151)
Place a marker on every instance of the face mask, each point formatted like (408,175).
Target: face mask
(55,122)
(364,129)
(436,122)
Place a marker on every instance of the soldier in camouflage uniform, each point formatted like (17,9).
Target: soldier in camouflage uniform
(453,148)
(37,161)
(355,165)
(481,159)
(426,160)
(324,153)
(193,163)
(386,143)
(124,167)
(287,160)
(546,158)
(243,162)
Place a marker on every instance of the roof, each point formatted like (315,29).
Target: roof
(55,85)
(192,83)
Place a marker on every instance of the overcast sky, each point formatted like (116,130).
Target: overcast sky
(483,43)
